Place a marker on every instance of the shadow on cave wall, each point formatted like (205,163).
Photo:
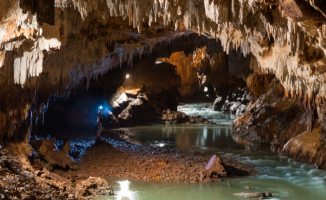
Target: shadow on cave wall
(75,114)
(44,9)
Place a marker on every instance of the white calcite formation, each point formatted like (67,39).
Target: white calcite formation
(282,35)
(285,37)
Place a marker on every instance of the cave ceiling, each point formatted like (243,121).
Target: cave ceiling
(60,42)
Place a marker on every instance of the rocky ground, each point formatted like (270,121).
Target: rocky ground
(43,171)
(119,158)
(19,180)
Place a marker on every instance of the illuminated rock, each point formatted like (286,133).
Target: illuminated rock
(215,164)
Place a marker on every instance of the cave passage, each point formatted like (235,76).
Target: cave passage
(283,177)
(168,99)
(146,111)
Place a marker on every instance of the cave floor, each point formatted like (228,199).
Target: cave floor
(149,170)
(117,158)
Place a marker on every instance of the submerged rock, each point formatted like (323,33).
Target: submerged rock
(255,195)
(247,187)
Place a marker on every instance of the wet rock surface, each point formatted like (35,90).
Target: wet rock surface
(283,124)
(271,119)
(235,102)
(308,147)
(255,195)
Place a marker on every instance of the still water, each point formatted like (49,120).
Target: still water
(284,177)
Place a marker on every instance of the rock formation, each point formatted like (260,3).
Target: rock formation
(20,181)
(277,47)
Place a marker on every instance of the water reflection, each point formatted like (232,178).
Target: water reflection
(125,191)
(248,145)
(202,136)
(184,136)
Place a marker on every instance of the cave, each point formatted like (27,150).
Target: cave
(162,99)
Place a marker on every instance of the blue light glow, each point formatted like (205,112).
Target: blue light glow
(106,108)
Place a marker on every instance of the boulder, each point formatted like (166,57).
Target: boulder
(216,165)
(218,103)
(214,169)
(174,117)
(308,147)
(231,106)
(92,187)
(125,118)
(236,102)
(241,109)
(48,151)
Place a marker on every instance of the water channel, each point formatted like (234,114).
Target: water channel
(282,176)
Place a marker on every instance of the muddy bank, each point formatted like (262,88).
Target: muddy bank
(113,157)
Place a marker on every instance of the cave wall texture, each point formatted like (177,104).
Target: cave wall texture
(49,47)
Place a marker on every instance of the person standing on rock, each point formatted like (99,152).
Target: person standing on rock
(99,121)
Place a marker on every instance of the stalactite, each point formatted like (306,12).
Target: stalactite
(232,22)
